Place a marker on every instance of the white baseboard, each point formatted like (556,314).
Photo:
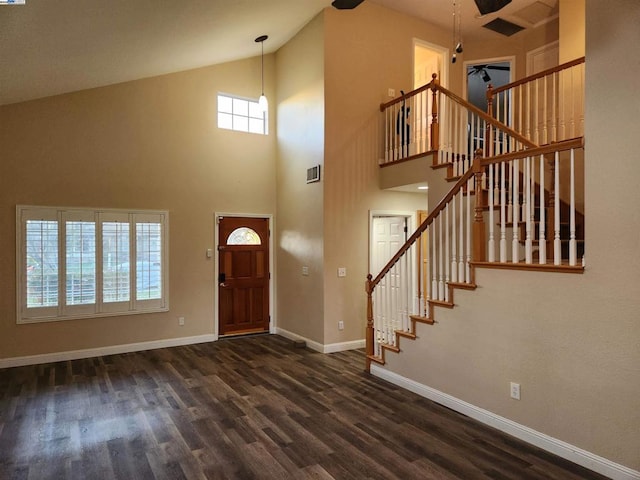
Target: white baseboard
(558,447)
(319,347)
(100,351)
(341,347)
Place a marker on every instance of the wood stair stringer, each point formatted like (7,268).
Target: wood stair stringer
(428,320)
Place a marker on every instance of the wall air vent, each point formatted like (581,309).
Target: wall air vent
(503,26)
(313,174)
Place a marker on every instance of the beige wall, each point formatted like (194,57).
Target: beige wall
(300,79)
(148,144)
(361,64)
(572,30)
(571,341)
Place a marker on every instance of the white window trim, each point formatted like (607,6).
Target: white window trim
(265,131)
(97,309)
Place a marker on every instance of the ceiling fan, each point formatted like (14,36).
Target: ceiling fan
(482,70)
(490,6)
(347,4)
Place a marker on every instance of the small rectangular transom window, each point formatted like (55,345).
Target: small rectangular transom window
(241,115)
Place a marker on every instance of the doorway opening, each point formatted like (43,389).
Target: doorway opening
(482,73)
(427,60)
(243,274)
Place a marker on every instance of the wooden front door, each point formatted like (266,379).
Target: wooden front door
(243,280)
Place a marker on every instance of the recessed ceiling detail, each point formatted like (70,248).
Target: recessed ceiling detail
(503,27)
(535,13)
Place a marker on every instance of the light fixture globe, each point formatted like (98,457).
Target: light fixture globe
(263,103)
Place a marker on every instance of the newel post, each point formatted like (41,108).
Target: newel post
(489,137)
(369,334)
(435,127)
(479,237)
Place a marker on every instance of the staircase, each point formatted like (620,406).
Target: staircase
(517,201)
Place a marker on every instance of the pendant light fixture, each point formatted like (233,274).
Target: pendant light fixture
(457,31)
(264,104)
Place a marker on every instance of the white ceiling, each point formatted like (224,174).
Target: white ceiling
(50,47)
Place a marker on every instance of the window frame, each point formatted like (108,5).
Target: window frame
(99,308)
(254,101)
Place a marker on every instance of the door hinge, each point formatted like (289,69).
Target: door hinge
(406,229)
(269,275)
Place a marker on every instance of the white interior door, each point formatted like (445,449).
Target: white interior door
(389,234)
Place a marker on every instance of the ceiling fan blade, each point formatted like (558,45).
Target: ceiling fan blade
(498,67)
(490,6)
(347,4)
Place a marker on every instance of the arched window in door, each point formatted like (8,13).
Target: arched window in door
(244,236)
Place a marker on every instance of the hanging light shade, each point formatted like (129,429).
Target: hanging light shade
(262,101)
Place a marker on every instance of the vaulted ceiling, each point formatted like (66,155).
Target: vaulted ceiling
(50,47)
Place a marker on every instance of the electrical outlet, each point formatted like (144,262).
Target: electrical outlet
(515,391)
(342,272)
(340,325)
(392,92)
(180,321)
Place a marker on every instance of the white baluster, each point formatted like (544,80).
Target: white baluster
(544,110)
(572,119)
(557,245)
(515,243)
(387,128)
(542,240)
(554,95)
(454,242)
(528,211)
(433,261)
(503,215)
(447,257)
(492,252)
(404,292)
(467,265)
(510,194)
(461,220)
(528,111)
(563,101)
(573,250)
(440,260)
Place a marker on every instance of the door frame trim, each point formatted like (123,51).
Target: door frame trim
(511,59)
(216,269)
(445,52)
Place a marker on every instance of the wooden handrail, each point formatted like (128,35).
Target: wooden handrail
(536,76)
(384,106)
(546,149)
(423,226)
(487,118)
(531,152)
(490,122)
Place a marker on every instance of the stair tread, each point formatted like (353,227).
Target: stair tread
(388,346)
(442,303)
(463,286)
(422,319)
(375,358)
(402,333)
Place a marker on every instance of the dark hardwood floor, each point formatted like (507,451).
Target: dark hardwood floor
(243,408)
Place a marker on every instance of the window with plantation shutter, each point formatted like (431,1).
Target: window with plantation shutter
(78,263)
